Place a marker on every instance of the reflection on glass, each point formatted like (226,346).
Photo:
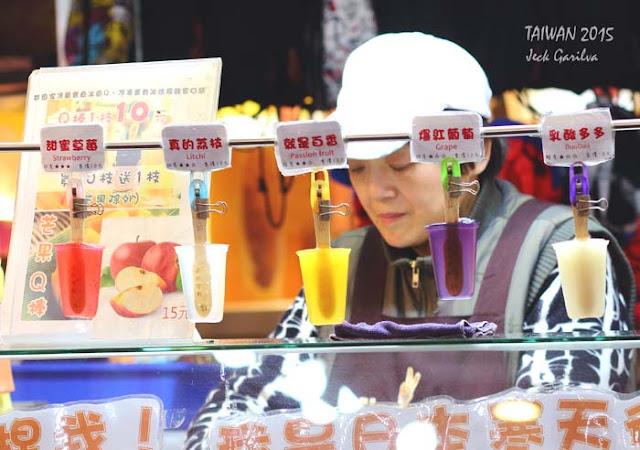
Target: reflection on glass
(235,358)
(318,412)
(306,381)
(348,402)
(414,432)
(517,411)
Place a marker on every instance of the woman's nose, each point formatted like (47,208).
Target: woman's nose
(381,186)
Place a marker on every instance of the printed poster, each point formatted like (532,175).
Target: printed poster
(146,209)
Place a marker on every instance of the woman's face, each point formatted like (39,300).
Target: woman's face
(402,197)
(399,196)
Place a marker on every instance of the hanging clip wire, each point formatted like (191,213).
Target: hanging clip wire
(326,209)
(322,209)
(199,199)
(472,188)
(79,208)
(451,176)
(579,191)
(581,202)
(77,203)
(321,200)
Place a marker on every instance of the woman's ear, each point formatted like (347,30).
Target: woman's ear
(477,168)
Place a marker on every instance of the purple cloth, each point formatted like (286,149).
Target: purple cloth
(391,330)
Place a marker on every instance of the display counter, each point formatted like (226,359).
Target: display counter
(55,374)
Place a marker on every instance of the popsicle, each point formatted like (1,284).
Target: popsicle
(324,269)
(79,263)
(582,261)
(201,269)
(453,243)
(203,265)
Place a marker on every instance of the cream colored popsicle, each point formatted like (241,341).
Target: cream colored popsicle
(582,265)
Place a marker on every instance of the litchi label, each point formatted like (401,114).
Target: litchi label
(196,147)
(309,145)
(585,136)
(72,148)
(450,134)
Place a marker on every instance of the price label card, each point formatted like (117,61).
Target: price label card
(309,145)
(586,136)
(449,134)
(196,147)
(72,148)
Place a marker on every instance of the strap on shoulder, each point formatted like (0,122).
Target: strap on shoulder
(494,289)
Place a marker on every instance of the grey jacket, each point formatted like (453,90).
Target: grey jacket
(536,260)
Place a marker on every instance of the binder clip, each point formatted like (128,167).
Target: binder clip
(80,208)
(322,209)
(79,263)
(581,202)
(203,265)
(324,269)
(201,208)
(451,176)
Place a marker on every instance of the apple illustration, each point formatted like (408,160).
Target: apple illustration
(137,301)
(128,254)
(135,276)
(162,259)
(140,292)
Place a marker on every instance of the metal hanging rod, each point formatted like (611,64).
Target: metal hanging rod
(486,132)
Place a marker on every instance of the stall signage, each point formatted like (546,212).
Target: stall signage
(196,147)
(585,136)
(573,418)
(310,145)
(131,423)
(72,148)
(450,134)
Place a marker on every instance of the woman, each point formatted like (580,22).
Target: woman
(386,82)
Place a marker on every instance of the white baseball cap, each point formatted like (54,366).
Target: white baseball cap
(392,78)
(554,100)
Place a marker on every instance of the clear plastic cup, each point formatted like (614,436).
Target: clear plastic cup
(324,275)
(453,250)
(79,271)
(203,295)
(583,268)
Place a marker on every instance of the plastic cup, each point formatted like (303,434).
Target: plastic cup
(79,271)
(453,250)
(213,282)
(583,268)
(324,275)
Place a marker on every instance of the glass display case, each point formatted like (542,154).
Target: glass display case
(134,374)
(378,406)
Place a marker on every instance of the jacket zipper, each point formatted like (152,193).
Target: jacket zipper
(415,274)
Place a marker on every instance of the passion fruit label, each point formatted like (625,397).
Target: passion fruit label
(307,146)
